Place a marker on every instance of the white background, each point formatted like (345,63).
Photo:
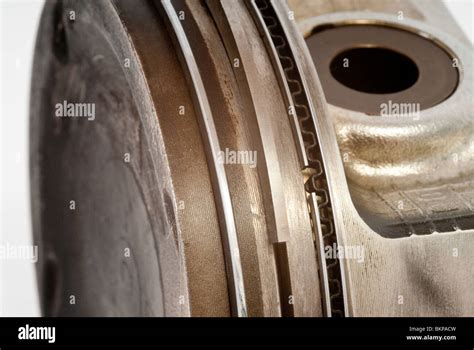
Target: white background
(18,24)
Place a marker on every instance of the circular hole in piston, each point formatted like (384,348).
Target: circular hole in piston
(374,70)
(364,66)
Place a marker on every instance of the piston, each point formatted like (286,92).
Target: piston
(252,158)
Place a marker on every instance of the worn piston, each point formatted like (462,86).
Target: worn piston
(252,158)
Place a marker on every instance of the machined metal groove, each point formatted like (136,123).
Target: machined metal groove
(317,184)
(270,172)
(287,95)
(220,184)
(288,254)
(319,244)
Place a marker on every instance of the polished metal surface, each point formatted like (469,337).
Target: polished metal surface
(384,63)
(407,159)
(419,274)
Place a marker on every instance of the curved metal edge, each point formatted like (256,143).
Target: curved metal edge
(282,7)
(284,81)
(220,184)
(266,35)
(269,167)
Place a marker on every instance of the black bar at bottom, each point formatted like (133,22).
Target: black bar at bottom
(449,333)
